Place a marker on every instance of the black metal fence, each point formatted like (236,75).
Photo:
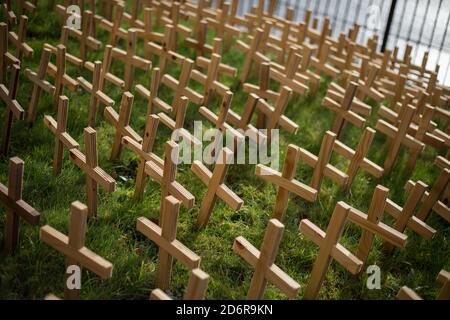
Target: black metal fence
(421,23)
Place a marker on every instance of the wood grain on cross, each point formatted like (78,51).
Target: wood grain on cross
(40,84)
(220,24)
(121,123)
(97,95)
(262,90)
(130,59)
(215,181)
(173,19)
(151,94)
(166,176)
(286,182)
(164,236)
(357,157)
(18,40)
(113,27)
(330,249)
(252,54)
(95,175)
(13,108)
(264,263)
(73,247)
(288,77)
(145,152)
(16,207)
(59,129)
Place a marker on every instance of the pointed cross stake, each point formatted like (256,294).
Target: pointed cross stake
(405,216)
(343,112)
(165,237)
(196,289)
(16,207)
(121,122)
(144,152)
(13,108)
(18,40)
(399,137)
(358,158)
(330,248)
(286,182)
(251,54)
(62,138)
(60,75)
(164,52)
(321,163)
(166,176)
(74,249)
(94,174)
(6,58)
(39,84)
(264,263)
(216,186)
(97,95)
(131,59)
(105,75)
(372,225)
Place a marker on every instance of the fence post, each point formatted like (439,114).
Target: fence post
(388,25)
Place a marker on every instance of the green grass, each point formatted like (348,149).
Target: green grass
(36,269)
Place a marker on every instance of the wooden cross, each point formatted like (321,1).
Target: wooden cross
(18,40)
(320,64)
(166,176)
(95,175)
(62,138)
(404,217)
(59,73)
(16,207)
(264,263)
(366,86)
(288,77)
(321,163)
(151,94)
(121,122)
(286,182)
(336,93)
(131,59)
(199,43)
(74,249)
(113,26)
(358,158)
(343,112)
(330,248)
(399,137)
(144,152)
(216,186)
(174,20)
(196,289)
(164,236)
(220,24)
(372,225)
(39,84)
(6,58)
(251,53)
(163,51)
(13,108)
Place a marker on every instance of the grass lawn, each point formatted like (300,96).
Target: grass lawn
(36,269)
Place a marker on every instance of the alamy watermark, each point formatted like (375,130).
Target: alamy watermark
(74,19)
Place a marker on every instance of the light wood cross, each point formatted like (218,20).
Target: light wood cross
(320,63)
(95,175)
(223,29)
(164,236)
(74,249)
(196,289)
(13,108)
(372,225)
(40,84)
(16,207)
(131,59)
(286,182)
(62,138)
(357,157)
(321,163)
(399,137)
(288,76)
(132,18)
(404,217)
(6,58)
(97,95)
(163,51)
(216,186)
(366,87)
(197,13)
(121,123)
(148,33)
(252,53)
(18,40)
(166,176)
(173,19)
(58,71)
(330,248)
(113,26)
(264,263)
(144,152)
